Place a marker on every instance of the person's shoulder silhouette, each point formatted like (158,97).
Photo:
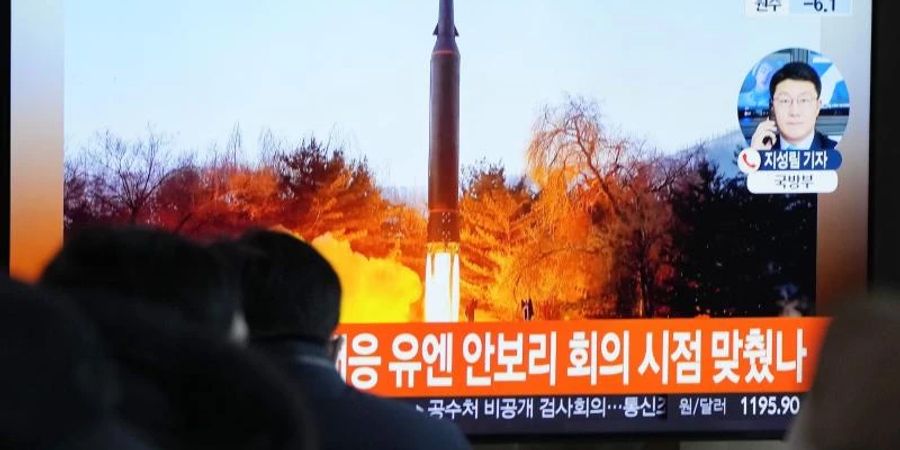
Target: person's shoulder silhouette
(291,298)
(58,388)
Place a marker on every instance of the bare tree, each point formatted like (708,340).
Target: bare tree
(621,183)
(269,146)
(77,205)
(570,141)
(127,175)
(234,147)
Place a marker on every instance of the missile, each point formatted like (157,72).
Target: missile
(442,243)
(443,146)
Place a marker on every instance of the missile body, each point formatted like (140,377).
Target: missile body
(442,263)
(443,148)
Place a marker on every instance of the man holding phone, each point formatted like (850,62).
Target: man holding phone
(794,108)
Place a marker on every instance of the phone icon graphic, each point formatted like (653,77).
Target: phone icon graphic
(747,161)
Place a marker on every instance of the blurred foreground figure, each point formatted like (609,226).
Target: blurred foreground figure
(291,299)
(854,398)
(151,267)
(56,387)
(163,307)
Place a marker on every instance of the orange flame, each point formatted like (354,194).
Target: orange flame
(375,290)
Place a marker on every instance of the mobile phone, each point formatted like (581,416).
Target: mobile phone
(768,139)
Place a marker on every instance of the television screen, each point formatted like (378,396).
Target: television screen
(548,217)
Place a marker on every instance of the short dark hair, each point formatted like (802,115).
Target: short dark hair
(799,71)
(148,265)
(289,289)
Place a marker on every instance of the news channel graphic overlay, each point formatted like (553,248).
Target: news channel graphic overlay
(776,8)
(622,357)
(790,171)
(592,376)
(793,108)
(613,413)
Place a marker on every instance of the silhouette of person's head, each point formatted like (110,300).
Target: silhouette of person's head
(289,289)
(855,378)
(56,385)
(150,266)
(162,305)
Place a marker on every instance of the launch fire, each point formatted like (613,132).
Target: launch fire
(442,283)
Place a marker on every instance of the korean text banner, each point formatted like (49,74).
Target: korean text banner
(583,357)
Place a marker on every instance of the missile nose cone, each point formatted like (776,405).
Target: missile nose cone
(446,25)
(445,30)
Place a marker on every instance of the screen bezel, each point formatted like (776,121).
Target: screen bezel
(882,221)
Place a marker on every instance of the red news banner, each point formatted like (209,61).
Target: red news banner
(648,356)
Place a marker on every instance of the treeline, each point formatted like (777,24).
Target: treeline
(600,226)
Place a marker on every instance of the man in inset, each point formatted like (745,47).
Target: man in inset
(795,106)
(292,297)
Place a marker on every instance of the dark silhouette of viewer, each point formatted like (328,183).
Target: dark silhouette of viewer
(163,308)
(149,266)
(852,403)
(57,388)
(292,306)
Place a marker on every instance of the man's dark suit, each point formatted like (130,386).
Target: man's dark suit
(819,142)
(350,419)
